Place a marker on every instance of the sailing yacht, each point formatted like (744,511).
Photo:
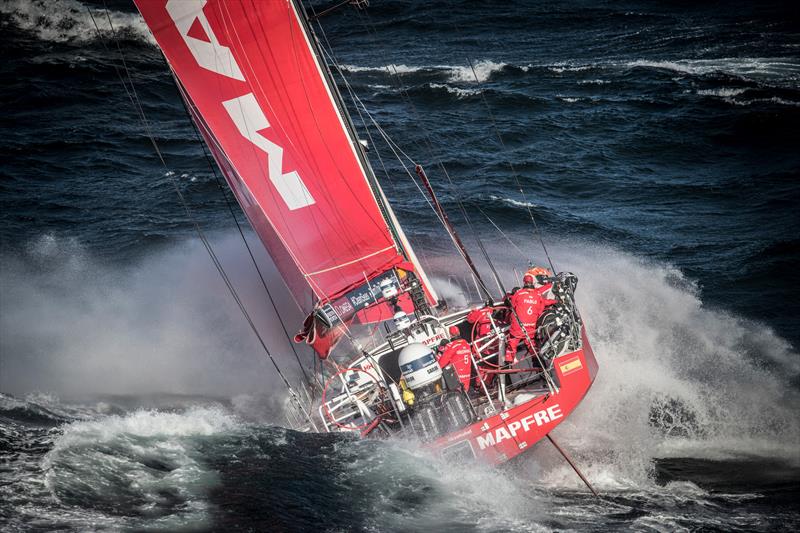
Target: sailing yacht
(259,87)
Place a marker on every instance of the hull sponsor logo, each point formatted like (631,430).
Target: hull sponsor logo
(568,367)
(509,431)
(244,111)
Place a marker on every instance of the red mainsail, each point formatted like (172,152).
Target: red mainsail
(264,101)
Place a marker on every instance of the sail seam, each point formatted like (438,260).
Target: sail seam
(373,254)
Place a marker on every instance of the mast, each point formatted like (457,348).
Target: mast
(404,246)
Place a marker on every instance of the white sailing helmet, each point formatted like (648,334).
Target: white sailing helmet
(401,320)
(418,366)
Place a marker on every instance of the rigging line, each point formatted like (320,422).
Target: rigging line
(116,69)
(475,234)
(229,205)
(359,106)
(510,163)
(132,95)
(331,56)
(203,238)
(440,164)
(392,68)
(502,233)
(394,147)
(389,141)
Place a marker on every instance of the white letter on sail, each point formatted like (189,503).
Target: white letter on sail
(209,55)
(249,119)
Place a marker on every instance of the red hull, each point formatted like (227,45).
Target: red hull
(507,434)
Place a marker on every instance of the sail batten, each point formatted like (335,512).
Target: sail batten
(265,103)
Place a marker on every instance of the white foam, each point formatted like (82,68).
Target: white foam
(455,73)
(196,421)
(476,495)
(722,92)
(481,70)
(737,66)
(130,460)
(662,350)
(457,91)
(757,68)
(560,68)
(511,201)
(70,20)
(755,101)
(657,342)
(388,69)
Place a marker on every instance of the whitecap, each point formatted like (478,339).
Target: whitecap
(459,92)
(71,21)
(132,460)
(511,201)
(483,70)
(755,101)
(479,71)
(722,93)
(736,66)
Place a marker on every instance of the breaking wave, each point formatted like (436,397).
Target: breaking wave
(736,66)
(156,452)
(755,101)
(677,378)
(724,92)
(457,91)
(483,70)
(72,21)
(764,70)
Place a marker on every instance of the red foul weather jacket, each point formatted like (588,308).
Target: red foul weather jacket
(528,303)
(481,317)
(456,352)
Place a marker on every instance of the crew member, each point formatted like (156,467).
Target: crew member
(542,279)
(457,353)
(538,271)
(480,321)
(526,304)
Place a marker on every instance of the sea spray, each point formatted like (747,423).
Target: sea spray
(676,377)
(164,322)
(146,462)
(71,21)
